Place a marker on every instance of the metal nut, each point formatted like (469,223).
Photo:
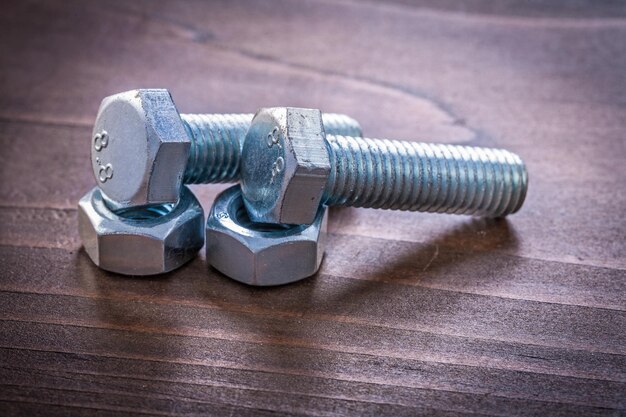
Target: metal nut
(285,165)
(261,254)
(143,241)
(140,148)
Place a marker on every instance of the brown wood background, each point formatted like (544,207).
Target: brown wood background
(411,314)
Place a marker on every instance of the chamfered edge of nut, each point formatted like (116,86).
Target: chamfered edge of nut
(140,246)
(261,255)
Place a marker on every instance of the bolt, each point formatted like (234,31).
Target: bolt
(143,150)
(339,170)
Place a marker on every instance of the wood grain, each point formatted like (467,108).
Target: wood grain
(410,314)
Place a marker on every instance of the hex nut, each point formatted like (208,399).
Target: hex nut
(285,165)
(139,149)
(261,254)
(143,241)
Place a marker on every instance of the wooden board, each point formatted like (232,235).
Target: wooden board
(411,314)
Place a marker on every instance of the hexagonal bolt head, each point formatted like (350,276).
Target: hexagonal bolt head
(142,241)
(292,142)
(261,254)
(139,149)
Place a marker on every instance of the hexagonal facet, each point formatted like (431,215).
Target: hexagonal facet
(261,254)
(139,149)
(285,165)
(143,241)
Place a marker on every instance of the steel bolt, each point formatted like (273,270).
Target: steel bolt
(286,179)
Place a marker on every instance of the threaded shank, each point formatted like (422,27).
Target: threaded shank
(217,140)
(440,178)
(340,124)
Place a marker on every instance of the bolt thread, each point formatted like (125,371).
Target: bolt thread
(340,124)
(217,140)
(381,173)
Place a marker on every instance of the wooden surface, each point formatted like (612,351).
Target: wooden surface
(411,314)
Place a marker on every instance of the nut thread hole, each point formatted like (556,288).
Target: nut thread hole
(145,213)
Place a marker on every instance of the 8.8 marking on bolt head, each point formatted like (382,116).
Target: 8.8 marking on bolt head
(273,139)
(101,141)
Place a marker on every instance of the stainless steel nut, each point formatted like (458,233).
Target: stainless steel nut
(285,165)
(143,241)
(139,148)
(261,254)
